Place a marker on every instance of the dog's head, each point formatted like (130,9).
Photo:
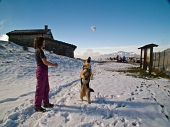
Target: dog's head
(87,63)
(89,60)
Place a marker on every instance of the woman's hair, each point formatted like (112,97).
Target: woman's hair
(38,41)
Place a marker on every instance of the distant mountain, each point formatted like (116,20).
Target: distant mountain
(120,53)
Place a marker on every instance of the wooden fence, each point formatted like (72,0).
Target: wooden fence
(162,60)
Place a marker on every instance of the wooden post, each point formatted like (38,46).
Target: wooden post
(158,59)
(145,63)
(167,64)
(154,59)
(164,61)
(141,58)
(151,60)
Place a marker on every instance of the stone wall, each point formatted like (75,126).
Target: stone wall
(23,40)
(60,48)
(57,47)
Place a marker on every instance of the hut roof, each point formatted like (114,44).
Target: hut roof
(71,45)
(30,32)
(148,46)
(35,31)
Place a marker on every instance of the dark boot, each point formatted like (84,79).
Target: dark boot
(40,109)
(48,105)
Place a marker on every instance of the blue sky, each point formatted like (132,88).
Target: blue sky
(122,25)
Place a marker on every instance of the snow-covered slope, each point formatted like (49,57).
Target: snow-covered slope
(118,100)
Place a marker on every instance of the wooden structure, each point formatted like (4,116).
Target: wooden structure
(146,57)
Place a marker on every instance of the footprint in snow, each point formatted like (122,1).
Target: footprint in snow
(66,116)
(141,90)
(115,122)
(119,105)
(135,123)
(131,99)
(82,119)
(62,101)
(13,116)
(125,122)
(133,93)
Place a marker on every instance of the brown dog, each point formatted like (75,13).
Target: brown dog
(86,75)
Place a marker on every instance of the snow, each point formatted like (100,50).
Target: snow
(118,100)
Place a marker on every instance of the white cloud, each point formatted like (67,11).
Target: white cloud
(4,37)
(115,47)
(86,54)
(97,51)
(2,22)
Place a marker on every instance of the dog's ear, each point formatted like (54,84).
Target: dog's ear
(89,59)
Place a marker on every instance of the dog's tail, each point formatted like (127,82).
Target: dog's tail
(91,90)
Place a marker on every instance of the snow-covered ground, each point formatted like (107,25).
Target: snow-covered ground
(118,100)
